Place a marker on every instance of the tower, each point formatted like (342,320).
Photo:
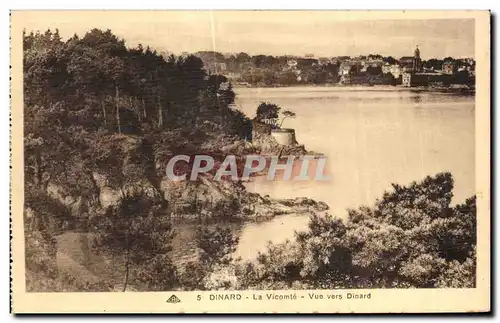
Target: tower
(417,62)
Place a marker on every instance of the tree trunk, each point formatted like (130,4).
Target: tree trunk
(38,167)
(127,262)
(137,109)
(166,111)
(160,114)
(104,113)
(127,267)
(118,111)
(96,189)
(281,124)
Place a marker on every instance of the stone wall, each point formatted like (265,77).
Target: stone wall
(284,137)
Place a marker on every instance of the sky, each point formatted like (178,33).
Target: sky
(322,33)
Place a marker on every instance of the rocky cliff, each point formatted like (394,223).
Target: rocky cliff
(129,168)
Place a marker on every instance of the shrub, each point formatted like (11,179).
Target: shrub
(411,238)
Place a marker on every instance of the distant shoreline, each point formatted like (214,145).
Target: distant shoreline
(446,90)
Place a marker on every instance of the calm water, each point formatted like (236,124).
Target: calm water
(372,137)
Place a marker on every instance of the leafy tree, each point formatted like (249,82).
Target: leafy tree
(287,78)
(277,268)
(210,57)
(137,231)
(215,248)
(268,111)
(389,59)
(458,274)
(242,58)
(287,114)
(42,273)
(41,249)
(374,70)
(263,61)
(98,114)
(411,238)
(315,75)
(389,78)
(79,90)
(435,64)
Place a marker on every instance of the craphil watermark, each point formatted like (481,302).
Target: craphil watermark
(236,168)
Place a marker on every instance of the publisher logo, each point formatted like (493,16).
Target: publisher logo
(173,299)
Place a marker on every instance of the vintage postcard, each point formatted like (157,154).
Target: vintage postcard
(250,161)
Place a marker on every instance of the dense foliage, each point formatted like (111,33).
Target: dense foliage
(101,119)
(268,70)
(267,111)
(412,237)
(80,93)
(140,233)
(215,248)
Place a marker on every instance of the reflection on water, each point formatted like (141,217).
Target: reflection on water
(254,237)
(416,99)
(372,137)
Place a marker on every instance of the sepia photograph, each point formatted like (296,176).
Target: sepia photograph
(242,158)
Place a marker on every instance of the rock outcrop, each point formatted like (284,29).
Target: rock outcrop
(124,171)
